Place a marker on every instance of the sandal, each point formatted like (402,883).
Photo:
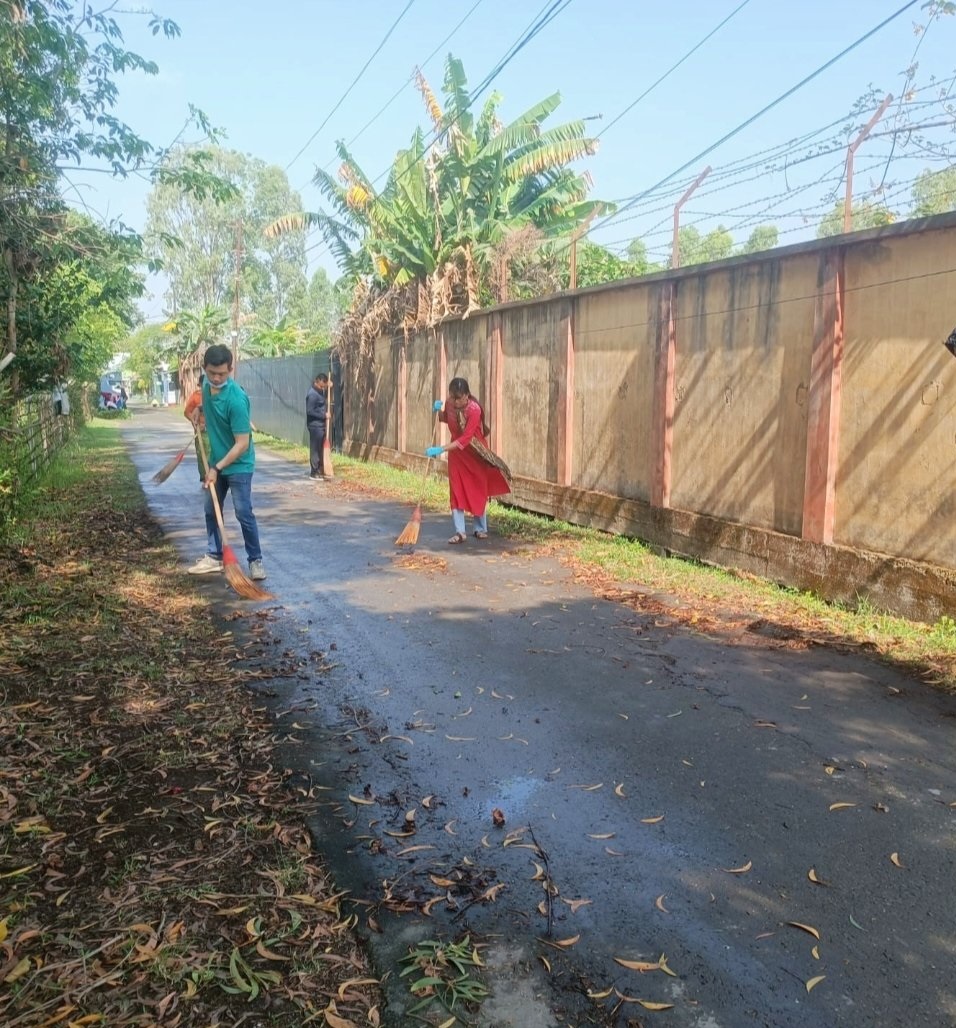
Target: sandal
(481,535)
(456,539)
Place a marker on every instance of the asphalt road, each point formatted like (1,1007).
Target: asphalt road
(675,788)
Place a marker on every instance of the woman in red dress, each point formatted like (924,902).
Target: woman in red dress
(474,472)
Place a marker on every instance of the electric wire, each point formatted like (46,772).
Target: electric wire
(401,89)
(650,89)
(352,85)
(764,110)
(546,14)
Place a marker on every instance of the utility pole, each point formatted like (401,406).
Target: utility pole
(675,245)
(235,303)
(850,151)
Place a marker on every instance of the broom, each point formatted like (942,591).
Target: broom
(170,466)
(409,534)
(235,576)
(327,443)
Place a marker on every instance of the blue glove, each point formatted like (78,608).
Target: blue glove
(438,405)
(433,451)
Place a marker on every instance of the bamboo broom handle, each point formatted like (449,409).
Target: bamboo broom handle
(215,496)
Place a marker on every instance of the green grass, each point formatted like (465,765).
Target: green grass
(929,650)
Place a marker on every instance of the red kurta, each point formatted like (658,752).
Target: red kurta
(471,480)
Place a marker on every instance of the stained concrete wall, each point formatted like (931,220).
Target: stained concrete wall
(613,390)
(743,355)
(895,474)
(702,393)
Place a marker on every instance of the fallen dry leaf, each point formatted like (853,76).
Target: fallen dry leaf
(805,928)
(841,806)
(742,870)
(638,965)
(333,1020)
(603,835)
(576,905)
(659,903)
(895,859)
(652,820)
(815,878)
(619,790)
(814,982)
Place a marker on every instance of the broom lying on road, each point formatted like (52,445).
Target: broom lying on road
(170,466)
(410,532)
(235,576)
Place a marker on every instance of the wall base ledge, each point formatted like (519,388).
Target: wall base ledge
(910,588)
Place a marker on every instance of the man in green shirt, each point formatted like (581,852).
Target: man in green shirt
(232,460)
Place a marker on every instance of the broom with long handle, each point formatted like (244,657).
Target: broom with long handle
(170,466)
(409,535)
(327,441)
(235,576)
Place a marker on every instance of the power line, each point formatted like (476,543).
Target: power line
(352,85)
(546,14)
(540,22)
(398,92)
(749,121)
(673,68)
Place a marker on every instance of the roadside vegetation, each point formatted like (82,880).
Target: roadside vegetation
(706,598)
(154,859)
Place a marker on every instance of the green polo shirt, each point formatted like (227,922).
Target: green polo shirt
(227,415)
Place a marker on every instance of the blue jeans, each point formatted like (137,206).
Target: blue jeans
(240,485)
(458,520)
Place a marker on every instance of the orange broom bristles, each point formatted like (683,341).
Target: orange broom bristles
(238,579)
(410,532)
(169,467)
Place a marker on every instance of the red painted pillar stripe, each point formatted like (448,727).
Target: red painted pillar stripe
(824,402)
(565,412)
(665,360)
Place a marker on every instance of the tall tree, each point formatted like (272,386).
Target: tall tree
(204,240)
(865,214)
(763,237)
(320,310)
(934,192)
(697,249)
(58,65)
(638,259)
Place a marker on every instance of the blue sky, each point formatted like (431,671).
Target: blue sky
(269,74)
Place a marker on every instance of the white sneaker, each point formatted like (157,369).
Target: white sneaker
(256,571)
(205,566)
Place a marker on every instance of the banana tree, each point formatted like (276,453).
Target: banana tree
(450,204)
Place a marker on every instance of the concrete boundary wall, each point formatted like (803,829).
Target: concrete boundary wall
(791,413)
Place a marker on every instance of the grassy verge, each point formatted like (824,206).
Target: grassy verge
(154,862)
(706,596)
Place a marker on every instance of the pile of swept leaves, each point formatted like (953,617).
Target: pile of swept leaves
(154,864)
